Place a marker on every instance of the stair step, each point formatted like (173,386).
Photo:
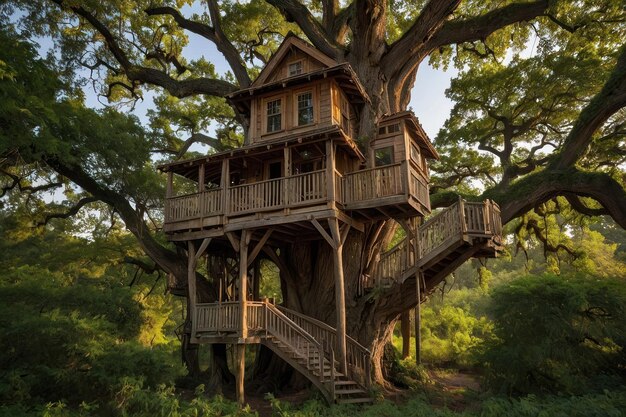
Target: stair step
(360,400)
(345,383)
(349,391)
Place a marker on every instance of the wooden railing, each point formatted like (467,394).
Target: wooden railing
(395,262)
(301,343)
(373,183)
(218,317)
(306,337)
(192,206)
(300,189)
(357,356)
(459,221)
(256,196)
(442,228)
(306,188)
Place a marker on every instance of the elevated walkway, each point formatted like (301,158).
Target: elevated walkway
(444,242)
(308,345)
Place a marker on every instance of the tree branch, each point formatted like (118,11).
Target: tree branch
(294,11)
(609,100)
(430,20)
(71,212)
(214,34)
(524,194)
(138,73)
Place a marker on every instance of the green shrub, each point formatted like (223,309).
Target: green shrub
(557,334)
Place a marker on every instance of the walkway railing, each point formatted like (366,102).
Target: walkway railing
(373,183)
(460,221)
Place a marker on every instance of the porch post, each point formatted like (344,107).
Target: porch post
(340,297)
(243,292)
(191,285)
(330,172)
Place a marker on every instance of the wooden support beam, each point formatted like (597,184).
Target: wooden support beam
(324,234)
(418,318)
(169,191)
(241,367)
(330,173)
(345,228)
(233,241)
(259,246)
(191,285)
(243,281)
(340,297)
(201,178)
(202,248)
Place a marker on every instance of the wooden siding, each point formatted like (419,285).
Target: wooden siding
(289,112)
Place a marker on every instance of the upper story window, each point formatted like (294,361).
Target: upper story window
(415,154)
(305,108)
(274,116)
(383,156)
(295,68)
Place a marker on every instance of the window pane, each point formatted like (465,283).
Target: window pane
(305,109)
(383,156)
(295,68)
(273,116)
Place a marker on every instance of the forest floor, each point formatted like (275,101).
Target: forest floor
(454,389)
(448,388)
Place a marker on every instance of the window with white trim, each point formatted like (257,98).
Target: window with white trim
(274,116)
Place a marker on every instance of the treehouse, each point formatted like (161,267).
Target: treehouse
(302,176)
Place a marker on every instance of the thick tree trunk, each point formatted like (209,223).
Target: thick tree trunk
(307,283)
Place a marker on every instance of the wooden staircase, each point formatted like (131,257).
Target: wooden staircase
(442,244)
(308,345)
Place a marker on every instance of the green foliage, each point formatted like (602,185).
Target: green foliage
(452,335)
(557,334)
(132,399)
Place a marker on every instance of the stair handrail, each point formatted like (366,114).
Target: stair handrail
(360,359)
(300,331)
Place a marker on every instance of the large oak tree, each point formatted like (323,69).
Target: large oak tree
(529,128)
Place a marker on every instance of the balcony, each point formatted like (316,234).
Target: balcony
(387,191)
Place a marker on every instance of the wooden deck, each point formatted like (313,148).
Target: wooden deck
(305,343)
(388,191)
(447,239)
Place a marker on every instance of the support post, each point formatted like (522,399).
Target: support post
(287,173)
(405,329)
(243,281)
(201,178)
(418,319)
(330,172)
(224,184)
(191,285)
(169,191)
(340,297)
(241,365)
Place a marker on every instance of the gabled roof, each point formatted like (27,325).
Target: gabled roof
(291,41)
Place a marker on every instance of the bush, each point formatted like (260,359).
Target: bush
(557,334)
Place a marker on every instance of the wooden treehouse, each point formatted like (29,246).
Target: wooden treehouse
(301,176)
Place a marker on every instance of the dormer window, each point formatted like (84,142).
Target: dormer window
(295,68)
(305,108)
(274,116)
